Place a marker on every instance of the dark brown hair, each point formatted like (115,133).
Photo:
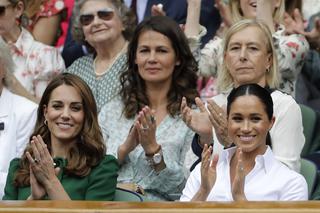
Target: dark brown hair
(184,76)
(89,149)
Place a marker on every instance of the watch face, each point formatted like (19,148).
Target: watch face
(157,158)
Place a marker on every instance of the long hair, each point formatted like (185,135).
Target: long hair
(225,80)
(126,16)
(89,148)
(261,93)
(184,77)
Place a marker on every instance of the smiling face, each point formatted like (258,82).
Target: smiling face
(10,15)
(248,124)
(64,114)
(247,57)
(99,30)
(155,57)
(249,7)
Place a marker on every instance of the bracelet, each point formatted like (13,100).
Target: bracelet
(152,154)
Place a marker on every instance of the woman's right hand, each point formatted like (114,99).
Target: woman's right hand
(208,170)
(197,121)
(37,190)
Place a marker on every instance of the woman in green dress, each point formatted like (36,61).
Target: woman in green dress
(65,159)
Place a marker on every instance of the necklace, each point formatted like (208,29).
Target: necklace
(99,75)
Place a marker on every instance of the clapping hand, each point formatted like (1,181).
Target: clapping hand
(146,126)
(218,119)
(42,170)
(197,121)
(239,179)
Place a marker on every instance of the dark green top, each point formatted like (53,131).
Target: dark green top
(100,184)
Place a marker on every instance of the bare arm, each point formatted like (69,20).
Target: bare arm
(264,13)
(46,29)
(192,27)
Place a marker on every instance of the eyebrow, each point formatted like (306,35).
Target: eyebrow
(59,102)
(248,43)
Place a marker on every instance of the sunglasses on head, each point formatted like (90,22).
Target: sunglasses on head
(3,9)
(86,19)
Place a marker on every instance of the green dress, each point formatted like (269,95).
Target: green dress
(100,184)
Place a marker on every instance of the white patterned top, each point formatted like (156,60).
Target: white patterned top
(35,63)
(173,136)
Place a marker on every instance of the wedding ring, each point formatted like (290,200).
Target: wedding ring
(36,160)
(152,119)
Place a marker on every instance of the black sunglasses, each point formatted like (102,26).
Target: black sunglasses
(86,19)
(3,9)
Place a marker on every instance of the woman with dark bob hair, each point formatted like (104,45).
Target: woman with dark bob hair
(161,70)
(244,172)
(66,155)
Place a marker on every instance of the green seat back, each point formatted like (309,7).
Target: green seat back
(309,172)
(127,196)
(309,119)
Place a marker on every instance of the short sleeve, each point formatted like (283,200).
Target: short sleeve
(103,180)
(10,191)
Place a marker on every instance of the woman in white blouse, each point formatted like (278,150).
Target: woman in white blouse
(248,171)
(17,117)
(251,59)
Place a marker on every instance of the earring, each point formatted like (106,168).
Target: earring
(268,69)
(45,122)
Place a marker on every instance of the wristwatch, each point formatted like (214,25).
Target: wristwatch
(156,158)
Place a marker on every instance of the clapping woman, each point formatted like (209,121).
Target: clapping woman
(65,159)
(244,172)
(142,126)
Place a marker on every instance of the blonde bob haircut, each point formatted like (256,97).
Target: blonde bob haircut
(237,14)
(225,80)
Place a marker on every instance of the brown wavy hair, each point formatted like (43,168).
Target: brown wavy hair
(89,149)
(184,77)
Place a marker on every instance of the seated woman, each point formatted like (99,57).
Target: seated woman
(104,27)
(66,156)
(244,172)
(290,49)
(17,117)
(161,70)
(250,59)
(36,63)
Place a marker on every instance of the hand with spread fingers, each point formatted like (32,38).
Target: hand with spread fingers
(239,179)
(146,126)
(208,174)
(218,119)
(42,171)
(197,121)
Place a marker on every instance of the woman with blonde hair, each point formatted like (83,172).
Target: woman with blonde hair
(249,59)
(290,49)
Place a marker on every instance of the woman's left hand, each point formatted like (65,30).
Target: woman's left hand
(42,163)
(147,130)
(239,180)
